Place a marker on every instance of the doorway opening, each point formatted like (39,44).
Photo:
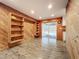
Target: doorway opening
(49,32)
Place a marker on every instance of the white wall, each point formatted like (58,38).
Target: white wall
(64,24)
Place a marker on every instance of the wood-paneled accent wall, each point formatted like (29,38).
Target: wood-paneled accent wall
(5,18)
(29,30)
(4,28)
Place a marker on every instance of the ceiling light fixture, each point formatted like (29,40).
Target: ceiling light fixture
(40,17)
(49,6)
(11,0)
(32,12)
(52,15)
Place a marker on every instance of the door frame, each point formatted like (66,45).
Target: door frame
(59,27)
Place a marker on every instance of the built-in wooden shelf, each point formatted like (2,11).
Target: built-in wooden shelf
(37,30)
(64,28)
(16,29)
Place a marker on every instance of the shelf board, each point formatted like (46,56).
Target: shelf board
(16,35)
(16,25)
(16,15)
(16,30)
(17,20)
(15,41)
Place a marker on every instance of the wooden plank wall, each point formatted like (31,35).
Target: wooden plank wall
(29,33)
(72,29)
(59,30)
(4,28)
(5,24)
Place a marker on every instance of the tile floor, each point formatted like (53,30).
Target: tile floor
(37,49)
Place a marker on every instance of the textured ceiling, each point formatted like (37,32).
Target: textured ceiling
(40,7)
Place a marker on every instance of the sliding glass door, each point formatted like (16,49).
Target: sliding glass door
(49,32)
